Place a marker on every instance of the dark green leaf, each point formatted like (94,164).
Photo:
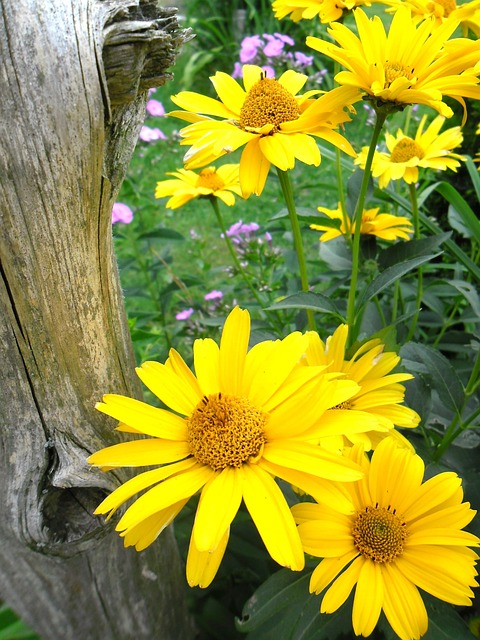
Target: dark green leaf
(307,300)
(468,217)
(402,251)
(441,375)
(390,275)
(469,292)
(167,234)
(444,623)
(353,190)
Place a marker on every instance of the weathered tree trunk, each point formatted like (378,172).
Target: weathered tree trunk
(73,81)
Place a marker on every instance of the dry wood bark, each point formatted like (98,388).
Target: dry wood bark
(73,77)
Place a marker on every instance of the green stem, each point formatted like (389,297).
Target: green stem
(287,191)
(416,235)
(233,253)
(357,220)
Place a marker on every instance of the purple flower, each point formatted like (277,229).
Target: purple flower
(148,134)
(151,92)
(285,39)
(249,48)
(237,70)
(302,60)
(155,108)
(184,315)
(121,213)
(213,295)
(274,46)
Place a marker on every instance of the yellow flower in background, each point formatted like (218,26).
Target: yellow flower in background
(383,225)
(403,534)
(380,394)
(186,185)
(241,420)
(327,10)
(430,149)
(467,14)
(412,64)
(275,124)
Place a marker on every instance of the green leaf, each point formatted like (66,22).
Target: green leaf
(474,175)
(160,232)
(402,251)
(468,217)
(390,275)
(336,254)
(442,376)
(353,190)
(469,292)
(444,623)
(307,300)
(11,628)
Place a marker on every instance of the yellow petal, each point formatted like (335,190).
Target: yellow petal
(179,366)
(140,453)
(149,529)
(342,587)
(327,538)
(144,418)
(229,91)
(272,517)
(207,365)
(139,483)
(217,507)
(254,168)
(172,490)
(311,458)
(168,387)
(403,605)
(233,349)
(202,566)
(251,75)
(328,570)
(197,103)
(277,151)
(368,600)
(292,81)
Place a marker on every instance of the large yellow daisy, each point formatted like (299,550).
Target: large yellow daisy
(429,149)
(186,185)
(242,419)
(380,394)
(403,534)
(276,125)
(383,225)
(327,10)
(412,64)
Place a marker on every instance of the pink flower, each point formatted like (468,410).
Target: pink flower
(184,315)
(213,295)
(121,213)
(249,47)
(268,71)
(148,134)
(274,47)
(237,70)
(155,108)
(302,60)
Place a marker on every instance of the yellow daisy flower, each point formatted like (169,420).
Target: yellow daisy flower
(430,149)
(244,418)
(222,183)
(467,14)
(276,125)
(403,534)
(327,10)
(380,392)
(412,64)
(383,225)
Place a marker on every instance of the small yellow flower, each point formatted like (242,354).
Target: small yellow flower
(430,149)
(222,183)
(402,534)
(383,225)
(467,14)
(268,116)
(242,419)
(412,64)
(327,10)
(380,394)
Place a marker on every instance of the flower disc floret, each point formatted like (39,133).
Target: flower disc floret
(226,431)
(267,103)
(405,150)
(379,534)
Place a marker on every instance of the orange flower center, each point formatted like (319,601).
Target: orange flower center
(405,150)
(267,102)
(447,6)
(209,179)
(379,534)
(226,431)
(394,70)
(345,406)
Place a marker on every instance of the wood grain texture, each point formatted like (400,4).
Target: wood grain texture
(65,144)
